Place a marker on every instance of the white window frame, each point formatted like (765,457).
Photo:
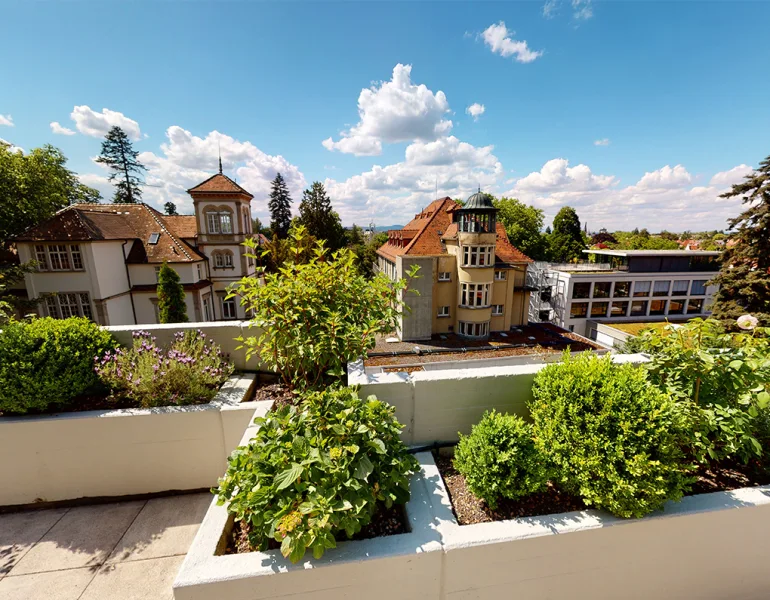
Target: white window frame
(478,256)
(225,223)
(227,311)
(219,261)
(474,330)
(499,275)
(198,267)
(69,304)
(475,295)
(59,257)
(207,308)
(497,310)
(157,274)
(445,276)
(228,259)
(213,222)
(443,311)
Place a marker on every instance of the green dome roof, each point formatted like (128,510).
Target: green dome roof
(479,201)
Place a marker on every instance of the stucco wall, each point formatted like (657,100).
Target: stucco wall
(119,310)
(109,267)
(416,323)
(436,405)
(121,452)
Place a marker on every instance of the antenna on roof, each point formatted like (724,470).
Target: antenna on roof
(219,147)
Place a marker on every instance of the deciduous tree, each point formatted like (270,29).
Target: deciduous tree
(523,224)
(170,209)
(566,243)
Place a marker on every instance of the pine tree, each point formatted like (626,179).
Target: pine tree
(170,209)
(744,280)
(171,305)
(280,208)
(318,217)
(121,158)
(566,243)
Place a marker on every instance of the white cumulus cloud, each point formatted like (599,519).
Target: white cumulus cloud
(6,120)
(602,142)
(731,177)
(475,110)
(665,177)
(499,39)
(394,111)
(12,147)
(59,129)
(97,124)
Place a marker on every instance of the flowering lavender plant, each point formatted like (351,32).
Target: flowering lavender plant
(189,371)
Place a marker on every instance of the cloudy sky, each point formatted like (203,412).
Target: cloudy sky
(638,114)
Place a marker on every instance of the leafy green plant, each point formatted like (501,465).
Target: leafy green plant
(45,363)
(189,371)
(315,472)
(725,376)
(499,459)
(171,304)
(613,439)
(318,315)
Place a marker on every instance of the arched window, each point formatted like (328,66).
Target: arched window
(223,259)
(219,221)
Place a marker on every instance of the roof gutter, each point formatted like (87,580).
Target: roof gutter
(128,278)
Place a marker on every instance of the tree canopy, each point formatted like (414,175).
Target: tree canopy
(171,305)
(126,172)
(566,243)
(34,186)
(280,208)
(318,217)
(523,224)
(170,209)
(744,280)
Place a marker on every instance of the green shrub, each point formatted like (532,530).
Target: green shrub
(45,363)
(190,371)
(614,439)
(317,315)
(499,459)
(315,471)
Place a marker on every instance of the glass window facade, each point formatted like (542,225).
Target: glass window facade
(599,309)
(698,287)
(676,307)
(641,288)
(602,289)
(622,289)
(658,307)
(578,310)
(581,289)
(694,306)
(619,309)
(638,308)
(661,288)
(680,287)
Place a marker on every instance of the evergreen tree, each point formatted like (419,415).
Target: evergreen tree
(316,214)
(170,209)
(171,306)
(121,158)
(744,281)
(566,242)
(280,208)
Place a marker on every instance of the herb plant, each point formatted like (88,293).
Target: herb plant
(316,316)
(317,471)
(499,459)
(190,371)
(45,363)
(613,439)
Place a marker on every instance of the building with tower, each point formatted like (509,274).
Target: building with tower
(101,261)
(472,281)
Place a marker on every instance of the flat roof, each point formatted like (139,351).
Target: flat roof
(627,253)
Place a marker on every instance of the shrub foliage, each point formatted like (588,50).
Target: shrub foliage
(499,459)
(189,371)
(318,315)
(317,471)
(45,363)
(613,439)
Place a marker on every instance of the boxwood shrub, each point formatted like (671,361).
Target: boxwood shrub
(317,471)
(48,362)
(499,459)
(613,438)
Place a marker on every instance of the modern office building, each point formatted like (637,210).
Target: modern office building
(623,285)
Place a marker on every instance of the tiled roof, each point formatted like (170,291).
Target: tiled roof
(95,222)
(185,226)
(425,232)
(218,184)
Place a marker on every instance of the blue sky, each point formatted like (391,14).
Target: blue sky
(636,113)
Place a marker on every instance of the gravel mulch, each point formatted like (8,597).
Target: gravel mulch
(403,369)
(386,521)
(469,509)
(731,476)
(269,388)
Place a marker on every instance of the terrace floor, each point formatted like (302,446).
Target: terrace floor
(119,551)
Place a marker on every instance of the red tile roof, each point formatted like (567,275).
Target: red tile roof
(218,184)
(185,226)
(95,222)
(422,235)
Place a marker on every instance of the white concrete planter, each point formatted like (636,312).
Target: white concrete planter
(121,452)
(405,566)
(436,405)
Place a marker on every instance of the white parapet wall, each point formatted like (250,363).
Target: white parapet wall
(709,546)
(406,566)
(122,452)
(436,405)
(223,333)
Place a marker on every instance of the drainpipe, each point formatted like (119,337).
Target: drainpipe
(128,278)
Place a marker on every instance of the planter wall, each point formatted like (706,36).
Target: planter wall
(122,452)
(436,405)
(222,333)
(406,566)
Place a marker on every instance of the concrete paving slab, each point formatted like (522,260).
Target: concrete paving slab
(149,579)
(84,537)
(164,527)
(20,531)
(54,585)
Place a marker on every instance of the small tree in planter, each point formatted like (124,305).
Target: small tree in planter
(318,315)
(171,306)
